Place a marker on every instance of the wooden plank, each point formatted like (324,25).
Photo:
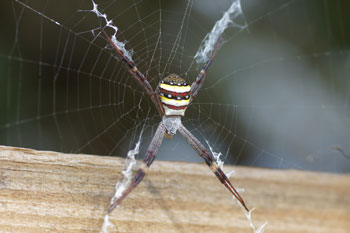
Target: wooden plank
(44,191)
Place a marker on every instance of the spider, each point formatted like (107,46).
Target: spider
(171,98)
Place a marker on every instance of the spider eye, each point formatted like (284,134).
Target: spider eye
(169,96)
(179,98)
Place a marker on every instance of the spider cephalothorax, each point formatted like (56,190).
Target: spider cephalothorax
(171,99)
(175,95)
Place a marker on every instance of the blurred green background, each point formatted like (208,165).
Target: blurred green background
(277,94)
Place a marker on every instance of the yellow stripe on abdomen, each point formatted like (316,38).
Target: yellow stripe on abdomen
(173,88)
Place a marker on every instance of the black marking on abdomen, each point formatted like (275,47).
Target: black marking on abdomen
(174,95)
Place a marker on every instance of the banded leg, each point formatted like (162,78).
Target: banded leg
(150,155)
(139,77)
(196,85)
(210,161)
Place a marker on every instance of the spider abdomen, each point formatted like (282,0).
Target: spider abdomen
(175,95)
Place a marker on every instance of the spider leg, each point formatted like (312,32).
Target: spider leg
(196,85)
(150,155)
(139,77)
(210,161)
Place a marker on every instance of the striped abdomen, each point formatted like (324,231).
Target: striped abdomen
(175,95)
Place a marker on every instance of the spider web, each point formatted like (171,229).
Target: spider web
(277,94)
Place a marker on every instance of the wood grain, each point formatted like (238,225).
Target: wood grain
(44,191)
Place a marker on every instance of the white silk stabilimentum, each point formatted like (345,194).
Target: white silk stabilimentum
(209,41)
(124,183)
(109,23)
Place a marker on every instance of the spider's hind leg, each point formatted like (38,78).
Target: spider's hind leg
(210,161)
(142,171)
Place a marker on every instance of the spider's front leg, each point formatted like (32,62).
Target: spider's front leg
(210,161)
(150,155)
(196,85)
(138,76)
